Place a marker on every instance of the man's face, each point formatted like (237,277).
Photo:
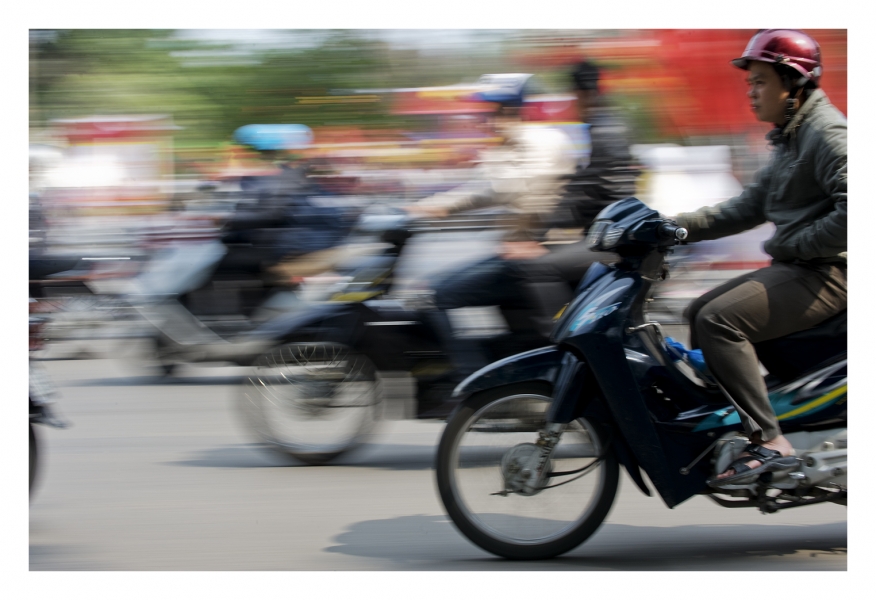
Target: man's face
(766,93)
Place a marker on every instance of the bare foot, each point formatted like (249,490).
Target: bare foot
(779,443)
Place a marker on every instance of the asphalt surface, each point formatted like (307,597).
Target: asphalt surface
(160,475)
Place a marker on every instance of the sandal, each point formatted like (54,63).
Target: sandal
(771,461)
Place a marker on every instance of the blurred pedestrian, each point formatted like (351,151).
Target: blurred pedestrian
(803,192)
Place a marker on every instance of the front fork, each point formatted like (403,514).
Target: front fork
(567,389)
(548,438)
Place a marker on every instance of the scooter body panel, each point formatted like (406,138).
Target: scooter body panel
(814,401)
(595,331)
(541,364)
(179,269)
(595,311)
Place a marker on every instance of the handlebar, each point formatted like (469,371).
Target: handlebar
(671,231)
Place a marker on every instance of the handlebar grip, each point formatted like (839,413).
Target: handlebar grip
(672,231)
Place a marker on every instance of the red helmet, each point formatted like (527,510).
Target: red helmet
(786,47)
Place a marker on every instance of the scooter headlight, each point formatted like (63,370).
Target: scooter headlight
(594,236)
(611,237)
(604,235)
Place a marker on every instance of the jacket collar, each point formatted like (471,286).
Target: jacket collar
(782,135)
(815,98)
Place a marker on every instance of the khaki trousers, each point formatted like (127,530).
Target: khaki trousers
(762,305)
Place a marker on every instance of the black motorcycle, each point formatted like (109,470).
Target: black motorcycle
(528,464)
(318,391)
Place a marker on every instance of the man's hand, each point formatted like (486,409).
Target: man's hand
(522,250)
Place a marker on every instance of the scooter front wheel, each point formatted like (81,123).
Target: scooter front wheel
(480,453)
(313,401)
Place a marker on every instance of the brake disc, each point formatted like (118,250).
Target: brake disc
(517,466)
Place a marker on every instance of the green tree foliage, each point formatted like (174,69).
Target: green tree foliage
(210,89)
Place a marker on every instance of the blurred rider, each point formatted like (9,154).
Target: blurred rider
(536,172)
(803,192)
(609,175)
(272,233)
(525,173)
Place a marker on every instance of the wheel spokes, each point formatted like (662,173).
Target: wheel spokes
(313,398)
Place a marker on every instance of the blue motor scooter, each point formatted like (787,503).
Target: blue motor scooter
(528,464)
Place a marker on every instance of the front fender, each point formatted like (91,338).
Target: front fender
(541,364)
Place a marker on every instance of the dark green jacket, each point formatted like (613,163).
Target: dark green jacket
(802,191)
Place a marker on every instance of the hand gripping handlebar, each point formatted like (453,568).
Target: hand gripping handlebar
(671,231)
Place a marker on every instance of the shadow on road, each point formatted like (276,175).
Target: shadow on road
(237,456)
(397,457)
(154,380)
(433,543)
(126,372)
(61,557)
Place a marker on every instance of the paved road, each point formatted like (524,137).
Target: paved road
(161,476)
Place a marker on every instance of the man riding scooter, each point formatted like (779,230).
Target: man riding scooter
(803,192)
(276,233)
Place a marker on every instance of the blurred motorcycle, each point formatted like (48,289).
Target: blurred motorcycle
(318,390)
(202,297)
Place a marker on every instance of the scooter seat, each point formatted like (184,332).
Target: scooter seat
(793,355)
(43,266)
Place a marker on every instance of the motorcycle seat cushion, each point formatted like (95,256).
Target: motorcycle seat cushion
(793,355)
(43,266)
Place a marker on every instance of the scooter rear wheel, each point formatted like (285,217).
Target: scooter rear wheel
(313,401)
(476,464)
